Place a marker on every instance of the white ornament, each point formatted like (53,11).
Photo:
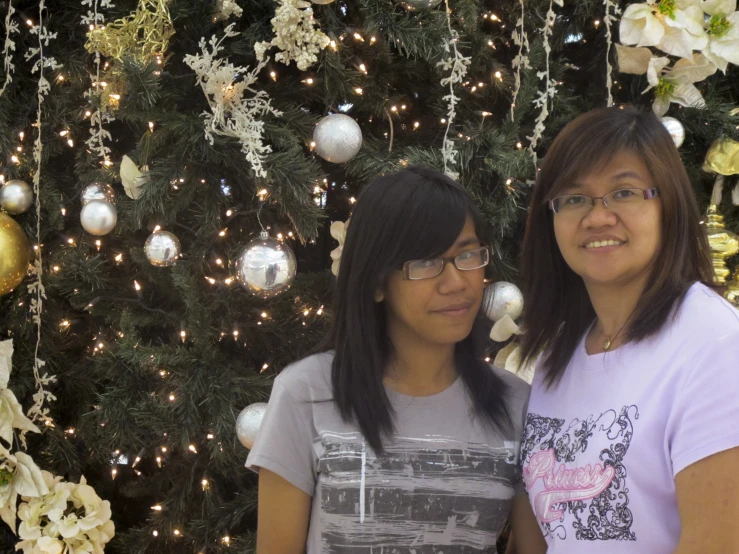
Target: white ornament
(98,217)
(502,299)
(98,191)
(266,267)
(162,248)
(238,110)
(675,128)
(338,138)
(16,197)
(248,423)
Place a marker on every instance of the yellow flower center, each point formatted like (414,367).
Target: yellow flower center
(664,87)
(718,26)
(667,8)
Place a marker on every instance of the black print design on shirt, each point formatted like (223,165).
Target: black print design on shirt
(596,497)
(422,496)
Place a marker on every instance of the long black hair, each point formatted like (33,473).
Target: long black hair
(416,213)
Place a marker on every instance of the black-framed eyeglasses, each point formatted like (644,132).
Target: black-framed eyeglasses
(416,270)
(617,201)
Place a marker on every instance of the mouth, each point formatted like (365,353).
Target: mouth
(455,310)
(601,244)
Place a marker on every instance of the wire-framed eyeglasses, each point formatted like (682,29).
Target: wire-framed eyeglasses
(618,201)
(416,270)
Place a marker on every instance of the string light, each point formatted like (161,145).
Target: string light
(273,75)
(113,473)
(264,367)
(226,540)
(363,68)
(228,281)
(171,399)
(209,436)
(64,323)
(177,532)
(136,285)
(357,36)
(229,213)
(21,135)
(205,484)
(416,124)
(352,200)
(157,508)
(155,533)
(308,81)
(358,90)
(14,159)
(192,449)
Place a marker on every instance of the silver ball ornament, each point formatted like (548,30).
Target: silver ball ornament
(675,128)
(338,138)
(16,197)
(162,248)
(248,423)
(98,217)
(266,267)
(502,299)
(413,5)
(98,191)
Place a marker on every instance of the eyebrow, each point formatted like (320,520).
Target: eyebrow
(467,242)
(623,175)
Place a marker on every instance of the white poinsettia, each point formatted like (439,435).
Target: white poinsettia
(675,85)
(19,475)
(723,33)
(11,412)
(338,231)
(673,26)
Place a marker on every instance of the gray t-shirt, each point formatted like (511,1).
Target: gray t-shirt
(444,484)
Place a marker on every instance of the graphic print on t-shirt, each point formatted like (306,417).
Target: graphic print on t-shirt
(422,495)
(570,490)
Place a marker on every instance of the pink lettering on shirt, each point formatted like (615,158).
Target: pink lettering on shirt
(562,485)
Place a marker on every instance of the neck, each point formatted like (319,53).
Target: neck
(613,307)
(418,368)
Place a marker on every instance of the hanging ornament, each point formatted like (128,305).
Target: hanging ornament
(266,267)
(413,5)
(248,423)
(98,191)
(16,254)
(502,299)
(675,128)
(722,157)
(724,244)
(162,248)
(338,138)
(16,197)
(98,217)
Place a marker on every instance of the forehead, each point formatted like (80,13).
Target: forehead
(623,167)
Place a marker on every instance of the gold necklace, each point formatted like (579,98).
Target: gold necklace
(609,341)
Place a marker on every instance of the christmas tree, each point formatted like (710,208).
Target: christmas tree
(161,138)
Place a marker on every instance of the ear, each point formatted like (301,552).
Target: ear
(379,296)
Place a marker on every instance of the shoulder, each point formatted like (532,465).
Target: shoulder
(308,378)
(705,314)
(518,389)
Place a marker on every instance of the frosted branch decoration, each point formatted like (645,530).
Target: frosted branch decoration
(521,61)
(237,109)
(612,12)
(10,28)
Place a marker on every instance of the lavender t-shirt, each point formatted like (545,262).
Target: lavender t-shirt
(601,449)
(444,483)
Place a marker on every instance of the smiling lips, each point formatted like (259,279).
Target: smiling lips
(603,243)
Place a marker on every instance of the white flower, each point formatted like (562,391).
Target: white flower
(338,231)
(676,84)
(673,26)
(723,33)
(11,412)
(19,475)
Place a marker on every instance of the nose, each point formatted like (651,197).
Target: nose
(599,216)
(452,280)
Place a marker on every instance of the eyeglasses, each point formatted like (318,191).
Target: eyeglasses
(416,270)
(618,201)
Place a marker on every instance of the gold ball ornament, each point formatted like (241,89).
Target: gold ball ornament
(16,197)
(723,157)
(248,423)
(724,244)
(15,254)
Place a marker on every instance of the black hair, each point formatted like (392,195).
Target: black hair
(416,213)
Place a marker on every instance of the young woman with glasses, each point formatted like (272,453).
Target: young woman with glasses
(631,443)
(400,438)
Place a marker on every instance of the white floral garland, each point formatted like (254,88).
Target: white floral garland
(10,28)
(101,115)
(36,288)
(296,35)
(457,65)
(55,516)
(232,113)
(521,61)
(704,34)
(550,85)
(227,8)
(612,11)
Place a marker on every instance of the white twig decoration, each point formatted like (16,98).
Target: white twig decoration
(521,61)
(550,85)
(10,28)
(232,113)
(457,64)
(612,11)
(36,288)
(100,114)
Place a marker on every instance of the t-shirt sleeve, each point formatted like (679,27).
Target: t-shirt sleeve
(705,412)
(284,443)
